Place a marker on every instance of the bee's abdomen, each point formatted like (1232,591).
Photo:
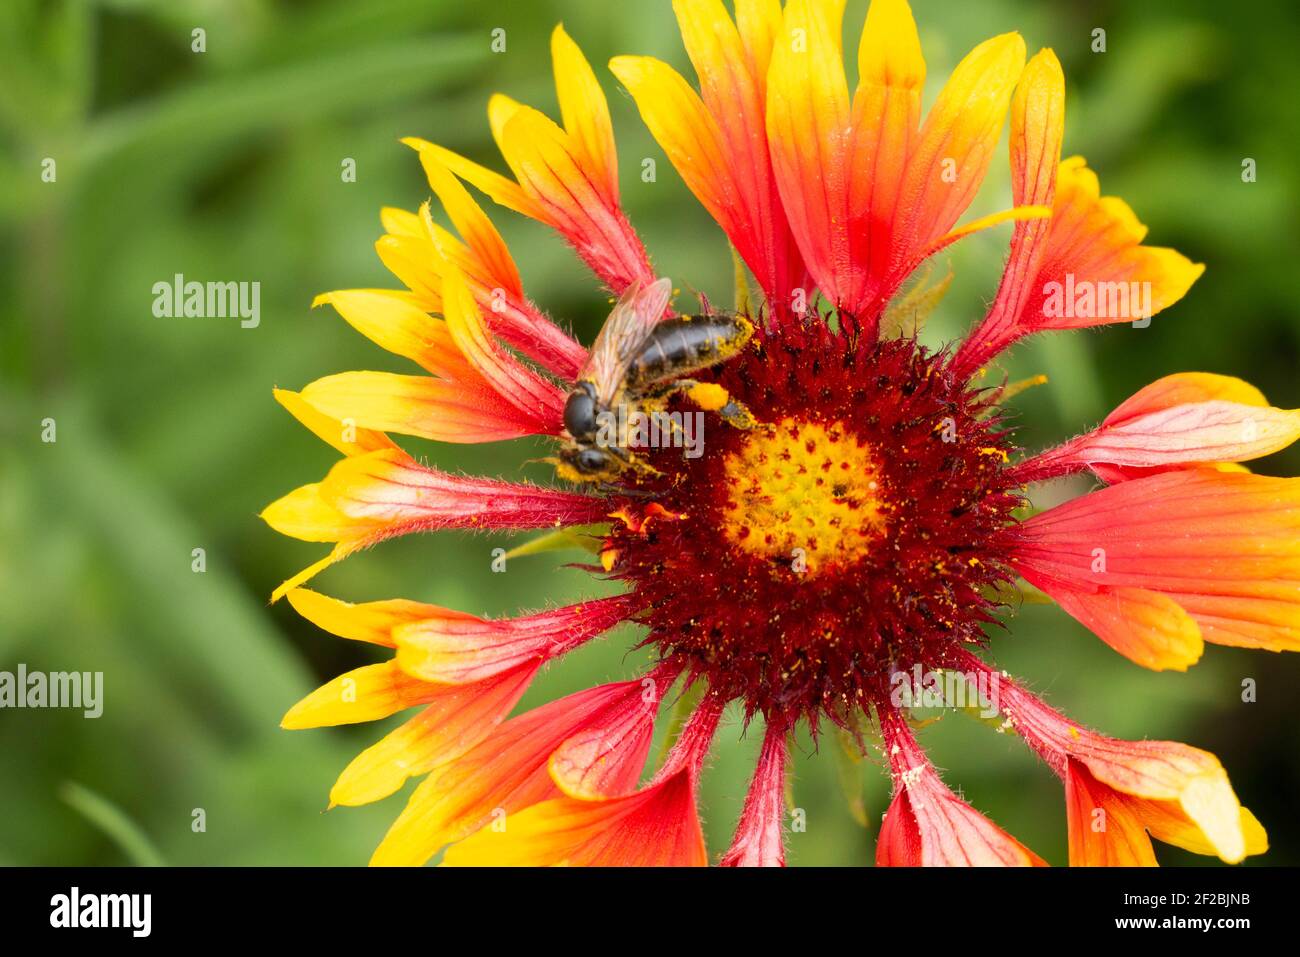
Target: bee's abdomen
(684,344)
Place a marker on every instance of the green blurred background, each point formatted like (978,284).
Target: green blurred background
(225,165)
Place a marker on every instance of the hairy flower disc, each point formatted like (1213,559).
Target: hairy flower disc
(854,531)
(804,490)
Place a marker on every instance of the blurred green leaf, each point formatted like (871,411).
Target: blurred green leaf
(229,654)
(46,52)
(228,107)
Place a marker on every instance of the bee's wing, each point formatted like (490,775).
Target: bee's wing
(635,314)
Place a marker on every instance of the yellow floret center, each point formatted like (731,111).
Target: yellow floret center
(805,493)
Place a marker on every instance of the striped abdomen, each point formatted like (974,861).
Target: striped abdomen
(684,344)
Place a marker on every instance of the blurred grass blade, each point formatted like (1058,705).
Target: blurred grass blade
(744,303)
(110,819)
(848,762)
(686,702)
(907,314)
(585,537)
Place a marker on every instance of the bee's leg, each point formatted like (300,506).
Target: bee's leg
(612,489)
(654,401)
(633,462)
(737,415)
(712,397)
(674,426)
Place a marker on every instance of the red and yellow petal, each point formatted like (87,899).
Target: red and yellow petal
(956,142)
(368,498)
(759,841)
(542,158)
(1173,825)
(585,114)
(886,116)
(962,127)
(717,139)
(388,490)
(656,826)
(1144,626)
(566,176)
(929,826)
(500,189)
(456,648)
(1157,429)
(443,410)
(809,138)
(482,392)
(843,166)
(452,721)
(943,831)
(372,621)
(510,769)
(480,237)
(1185,782)
(1186,388)
(347,438)
(535,398)
(1223,546)
(1093,271)
(1098,238)
(759,23)
(456,718)
(1181,788)
(391,320)
(1178,793)
(605,758)
(1104,829)
(367,693)
(1037,130)
(491,275)
(416,250)
(682,124)
(304,514)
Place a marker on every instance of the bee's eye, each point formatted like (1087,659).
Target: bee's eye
(592,460)
(580,414)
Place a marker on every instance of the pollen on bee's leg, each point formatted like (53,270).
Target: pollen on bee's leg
(712,397)
(708,396)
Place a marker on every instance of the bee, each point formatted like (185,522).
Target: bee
(638,361)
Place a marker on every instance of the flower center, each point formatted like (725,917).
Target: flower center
(854,532)
(806,492)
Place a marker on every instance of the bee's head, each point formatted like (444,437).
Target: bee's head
(587,463)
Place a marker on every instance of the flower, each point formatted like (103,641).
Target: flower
(866,528)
